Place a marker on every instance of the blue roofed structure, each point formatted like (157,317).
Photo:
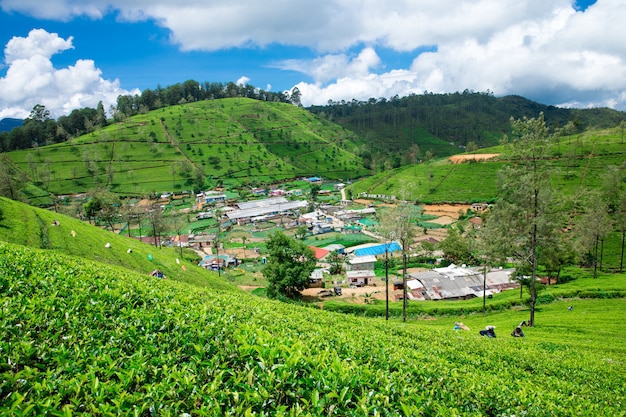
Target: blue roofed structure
(378,249)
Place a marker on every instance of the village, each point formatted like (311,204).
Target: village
(340,219)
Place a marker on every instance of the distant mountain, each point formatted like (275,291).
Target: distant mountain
(430,120)
(6,125)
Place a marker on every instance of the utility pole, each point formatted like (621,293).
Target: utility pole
(387,282)
(403,286)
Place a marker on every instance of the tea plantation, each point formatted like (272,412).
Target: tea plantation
(82,337)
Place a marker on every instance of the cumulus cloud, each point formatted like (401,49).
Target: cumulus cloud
(540,58)
(32,79)
(243,80)
(548,51)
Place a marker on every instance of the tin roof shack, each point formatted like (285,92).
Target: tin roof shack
(316,279)
(215,262)
(459,283)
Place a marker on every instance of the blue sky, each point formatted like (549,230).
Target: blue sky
(73,53)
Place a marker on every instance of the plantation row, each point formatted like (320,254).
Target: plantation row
(83,337)
(236,141)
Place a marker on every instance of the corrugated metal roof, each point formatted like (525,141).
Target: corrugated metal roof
(266,202)
(262,211)
(378,249)
(361,259)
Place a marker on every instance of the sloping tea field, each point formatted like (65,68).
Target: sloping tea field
(81,337)
(232,141)
(45,229)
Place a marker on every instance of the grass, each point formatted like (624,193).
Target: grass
(579,162)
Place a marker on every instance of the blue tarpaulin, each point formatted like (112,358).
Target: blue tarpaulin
(378,249)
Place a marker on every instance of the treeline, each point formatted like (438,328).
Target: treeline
(467,118)
(190,91)
(39,129)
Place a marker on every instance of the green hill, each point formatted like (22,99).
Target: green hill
(80,337)
(36,228)
(233,142)
(579,162)
(440,123)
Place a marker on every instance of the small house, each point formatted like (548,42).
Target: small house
(360,278)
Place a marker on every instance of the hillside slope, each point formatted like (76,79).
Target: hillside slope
(36,228)
(197,145)
(579,162)
(442,122)
(82,337)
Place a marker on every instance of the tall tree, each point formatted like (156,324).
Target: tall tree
(592,227)
(289,267)
(614,192)
(103,205)
(154,216)
(526,217)
(398,224)
(12,179)
(178,223)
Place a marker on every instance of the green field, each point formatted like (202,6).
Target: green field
(87,338)
(579,162)
(33,227)
(86,330)
(196,146)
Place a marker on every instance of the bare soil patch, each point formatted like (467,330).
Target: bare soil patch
(457,159)
(449,210)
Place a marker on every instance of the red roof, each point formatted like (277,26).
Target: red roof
(319,252)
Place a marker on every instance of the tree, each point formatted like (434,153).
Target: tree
(289,267)
(335,262)
(157,223)
(398,224)
(102,205)
(455,247)
(12,179)
(527,216)
(592,227)
(296,97)
(301,232)
(178,222)
(614,192)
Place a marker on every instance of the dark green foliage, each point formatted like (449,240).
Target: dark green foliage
(434,120)
(289,266)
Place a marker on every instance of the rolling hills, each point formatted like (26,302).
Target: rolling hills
(85,330)
(229,142)
(452,120)
(579,162)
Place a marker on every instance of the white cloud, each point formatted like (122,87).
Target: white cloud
(542,50)
(332,67)
(243,80)
(38,42)
(543,59)
(32,79)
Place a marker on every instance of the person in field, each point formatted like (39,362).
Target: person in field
(517,332)
(489,332)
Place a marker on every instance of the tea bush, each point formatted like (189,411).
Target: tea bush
(80,337)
